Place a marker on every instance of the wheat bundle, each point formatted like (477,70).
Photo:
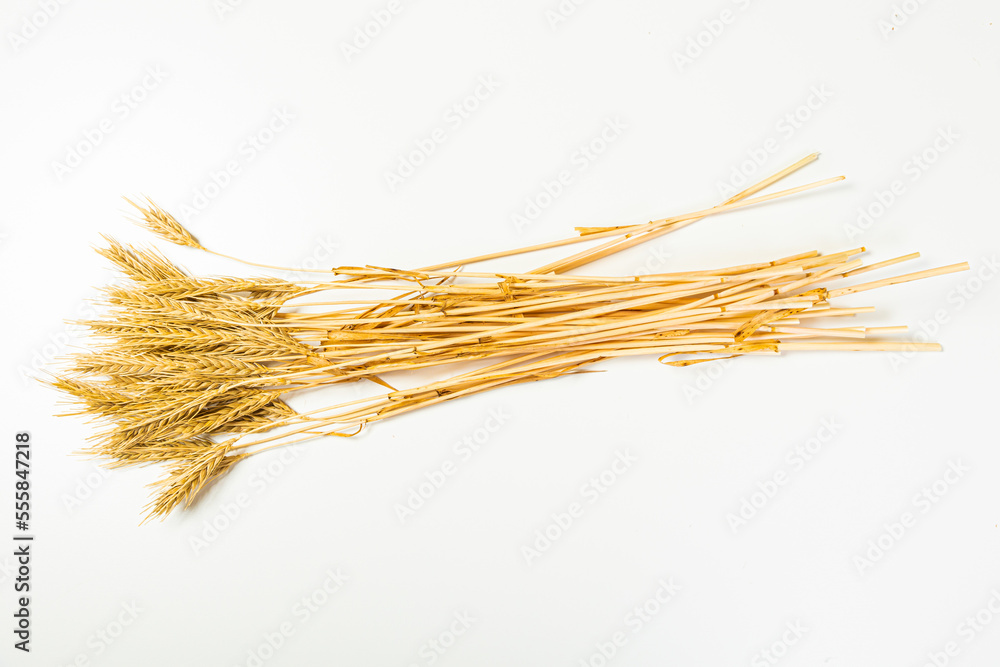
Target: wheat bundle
(192,372)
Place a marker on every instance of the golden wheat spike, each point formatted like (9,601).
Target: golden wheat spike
(164,225)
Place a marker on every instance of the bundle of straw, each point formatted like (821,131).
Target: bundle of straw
(191,372)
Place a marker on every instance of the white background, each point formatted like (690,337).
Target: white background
(703,440)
